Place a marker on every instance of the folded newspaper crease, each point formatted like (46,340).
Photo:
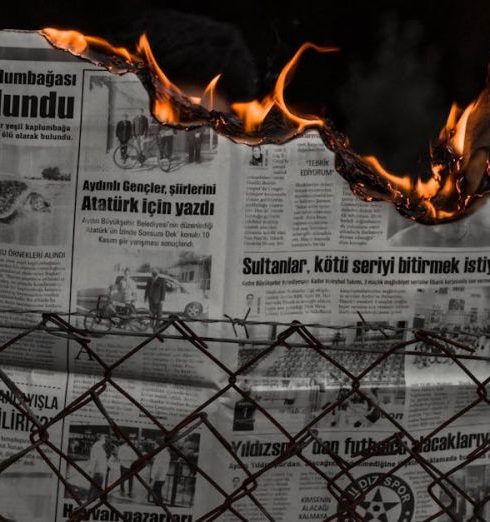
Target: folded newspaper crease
(193,329)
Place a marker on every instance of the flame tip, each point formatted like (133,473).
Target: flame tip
(429,197)
(252,113)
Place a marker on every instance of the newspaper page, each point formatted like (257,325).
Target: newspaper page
(118,224)
(40,93)
(115,224)
(364,278)
(149,238)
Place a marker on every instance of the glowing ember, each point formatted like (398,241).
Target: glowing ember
(459,169)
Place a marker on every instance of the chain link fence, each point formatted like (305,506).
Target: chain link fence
(349,366)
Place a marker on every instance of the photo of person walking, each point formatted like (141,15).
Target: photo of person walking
(140,126)
(194,141)
(126,456)
(124,131)
(166,141)
(97,467)
(127,290)
(158,476)
(154,295)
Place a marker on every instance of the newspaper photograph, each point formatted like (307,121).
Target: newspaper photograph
(131,457)
(107,460)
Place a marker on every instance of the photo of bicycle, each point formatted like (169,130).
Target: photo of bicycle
(138,300)
(160,146)
(108,315)
(132,140)
(141,144)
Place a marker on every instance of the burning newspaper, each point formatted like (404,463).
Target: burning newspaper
(163,262)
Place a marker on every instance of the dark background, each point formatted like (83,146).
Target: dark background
(400,64)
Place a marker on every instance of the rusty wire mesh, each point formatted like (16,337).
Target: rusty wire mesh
(291,336)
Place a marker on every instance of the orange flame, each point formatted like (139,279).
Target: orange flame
(163,107)
(424,190)
(172,106)
(453,135)
(209,93)
(400,183)
(77,43)
(454,131)
(254,112)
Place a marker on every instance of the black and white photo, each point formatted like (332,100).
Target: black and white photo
(134,294)
(133,141)
(107,458)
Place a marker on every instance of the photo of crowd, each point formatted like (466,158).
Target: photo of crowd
(300,380)
(355,347)
(106,458)
(309,397)
(457,313)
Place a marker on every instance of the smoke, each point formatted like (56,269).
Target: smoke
(393,104)
(193,49)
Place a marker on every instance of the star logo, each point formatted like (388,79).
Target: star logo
(376,508)
(378,497)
